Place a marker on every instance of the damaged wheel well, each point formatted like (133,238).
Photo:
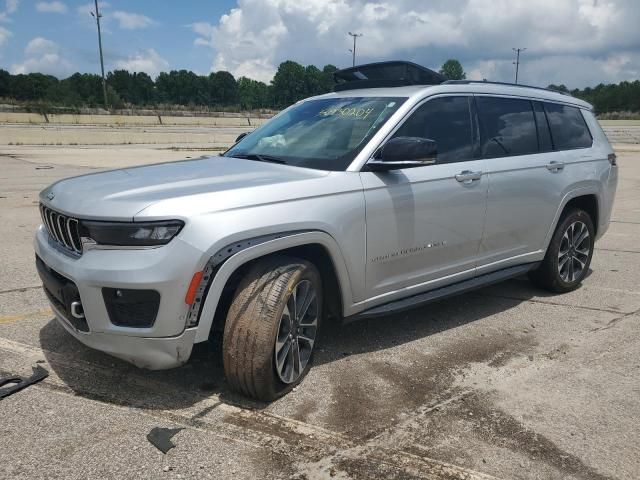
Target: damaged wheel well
(314,253)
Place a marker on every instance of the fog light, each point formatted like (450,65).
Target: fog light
(131,308)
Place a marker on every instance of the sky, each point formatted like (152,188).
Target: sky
(573,42)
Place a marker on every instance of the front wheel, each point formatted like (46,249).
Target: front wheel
(272,327)
(568,257)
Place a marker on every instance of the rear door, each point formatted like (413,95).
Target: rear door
(527,179)
(424,224)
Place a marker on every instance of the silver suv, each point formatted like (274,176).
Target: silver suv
(354,204)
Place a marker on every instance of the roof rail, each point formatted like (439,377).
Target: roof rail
(385,74)
(466,82)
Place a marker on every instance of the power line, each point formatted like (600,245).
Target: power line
(355,36)
(517,62)
(97,15)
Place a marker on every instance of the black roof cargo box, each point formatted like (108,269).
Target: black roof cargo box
(385,74)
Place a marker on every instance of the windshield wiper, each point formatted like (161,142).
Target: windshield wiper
(260,158)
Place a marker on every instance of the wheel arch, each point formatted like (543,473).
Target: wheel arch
(315,246)
(586,198)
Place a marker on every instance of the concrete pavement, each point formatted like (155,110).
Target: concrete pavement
(507,382)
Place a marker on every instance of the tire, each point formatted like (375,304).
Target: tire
(259,322)
(566,263)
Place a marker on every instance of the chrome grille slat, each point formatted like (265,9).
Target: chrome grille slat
(56,227)
(62,229)
(52,222)
(73,226)
(45,218)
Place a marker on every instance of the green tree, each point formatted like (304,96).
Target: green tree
(327,77)
(5,83)
(87,86)
(313,81)
(182,87)
(144,89)
(224,88)
(122,83)
(289,83)
(558,88)
(33,86)
(452,69)
(252,94)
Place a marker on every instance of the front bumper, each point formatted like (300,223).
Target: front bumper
(149,353)
(167,270)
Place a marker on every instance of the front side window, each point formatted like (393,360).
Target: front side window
(507,127)
(447,120)
(324,134)
(568,128)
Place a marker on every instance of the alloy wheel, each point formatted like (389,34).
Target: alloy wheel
(296,332)
(575,248)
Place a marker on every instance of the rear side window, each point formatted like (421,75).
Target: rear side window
(507,127)
(568,128)
(447,120)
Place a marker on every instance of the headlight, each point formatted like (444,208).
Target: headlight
(132,234)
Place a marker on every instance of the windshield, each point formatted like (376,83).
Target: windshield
(324,134)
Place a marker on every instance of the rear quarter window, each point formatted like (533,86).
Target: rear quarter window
(568,128)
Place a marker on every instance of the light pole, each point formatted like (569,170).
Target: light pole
(97,15)
(517,62)
(355,36)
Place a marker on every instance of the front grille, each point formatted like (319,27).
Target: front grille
(64,230)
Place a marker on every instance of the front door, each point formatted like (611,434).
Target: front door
(424,225)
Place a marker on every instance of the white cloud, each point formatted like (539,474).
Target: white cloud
(4,36)
(51,7)
(84,12)
(43,56)
(256,35)
(40,46)
(571,70)
(205,32)
(148,61)
(12,5)
(131,21)
(85,8)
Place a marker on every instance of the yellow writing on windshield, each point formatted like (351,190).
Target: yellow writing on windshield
(360,113)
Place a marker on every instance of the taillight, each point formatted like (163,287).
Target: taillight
(613,160)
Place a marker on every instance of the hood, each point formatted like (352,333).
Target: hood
(121,194)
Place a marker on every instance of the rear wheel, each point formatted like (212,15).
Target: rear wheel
(568,257)
(272,327)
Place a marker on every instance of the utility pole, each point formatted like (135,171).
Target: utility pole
(97,15)
(517,62)
(355,36)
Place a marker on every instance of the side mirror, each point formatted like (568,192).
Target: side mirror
(241,136)
(405,152)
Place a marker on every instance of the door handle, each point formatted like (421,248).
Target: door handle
(554,166)
(467,176)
